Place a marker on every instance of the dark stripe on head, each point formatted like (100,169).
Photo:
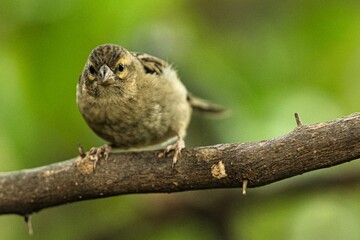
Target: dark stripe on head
(107,54)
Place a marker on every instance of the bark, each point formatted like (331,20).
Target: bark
(306,148)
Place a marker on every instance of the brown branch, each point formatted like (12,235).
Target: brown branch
(298,120)
(252,164)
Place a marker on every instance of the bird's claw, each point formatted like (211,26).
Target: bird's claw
(176,147)
(95,153)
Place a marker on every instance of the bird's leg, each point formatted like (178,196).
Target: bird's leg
(176,147)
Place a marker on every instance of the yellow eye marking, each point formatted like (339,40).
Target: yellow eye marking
(91,71)
(121,69)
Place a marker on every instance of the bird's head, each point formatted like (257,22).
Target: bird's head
(109,68)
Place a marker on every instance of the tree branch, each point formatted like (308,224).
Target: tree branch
(307,148)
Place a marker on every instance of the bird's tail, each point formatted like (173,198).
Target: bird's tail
(203,106)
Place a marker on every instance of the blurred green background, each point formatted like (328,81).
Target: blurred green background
(264,60)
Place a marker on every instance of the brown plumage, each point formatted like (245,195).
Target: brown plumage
(134,100)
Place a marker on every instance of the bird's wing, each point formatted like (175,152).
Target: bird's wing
(151,64)
(154,65)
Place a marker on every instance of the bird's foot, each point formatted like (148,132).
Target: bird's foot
(96,153)
(176,147)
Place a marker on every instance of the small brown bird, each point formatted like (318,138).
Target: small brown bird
(134,100)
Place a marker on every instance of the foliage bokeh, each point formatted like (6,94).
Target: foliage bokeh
(264,60)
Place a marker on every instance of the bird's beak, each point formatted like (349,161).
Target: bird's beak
(107,75)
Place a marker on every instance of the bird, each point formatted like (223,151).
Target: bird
(135,100)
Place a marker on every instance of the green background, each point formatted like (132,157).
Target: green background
(264,60)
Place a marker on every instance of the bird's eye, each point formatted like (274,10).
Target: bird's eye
(121,70)
(121,67)
(92,70)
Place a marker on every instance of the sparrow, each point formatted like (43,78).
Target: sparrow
(135,100)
